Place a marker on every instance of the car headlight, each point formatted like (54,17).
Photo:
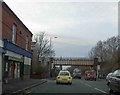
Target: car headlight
(58,77)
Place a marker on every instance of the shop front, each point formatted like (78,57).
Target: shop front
(13,66)
(27,67)
(17,62)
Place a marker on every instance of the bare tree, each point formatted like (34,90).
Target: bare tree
(107,50)
(97,51)
(43,47)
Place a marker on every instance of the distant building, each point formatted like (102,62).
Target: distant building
(35,62)
(15,46)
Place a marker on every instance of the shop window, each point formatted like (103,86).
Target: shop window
(11,70)
(14,30)
(17,70)
(6,69)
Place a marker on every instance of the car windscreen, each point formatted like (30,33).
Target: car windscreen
(119,71)
(64,74)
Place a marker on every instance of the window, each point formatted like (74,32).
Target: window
(117,72)
(26,42)
(114,73)
(20,32)
(64,74)
(14,33)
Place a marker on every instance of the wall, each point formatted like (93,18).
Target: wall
(35,63)
(0,47)
(9,18)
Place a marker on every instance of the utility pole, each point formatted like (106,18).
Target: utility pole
(50,59)
(50,63)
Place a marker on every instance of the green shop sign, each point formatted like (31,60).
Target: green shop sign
(15,59)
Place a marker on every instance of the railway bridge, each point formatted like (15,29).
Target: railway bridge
(70,61)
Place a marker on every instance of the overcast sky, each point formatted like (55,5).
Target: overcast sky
(78,25)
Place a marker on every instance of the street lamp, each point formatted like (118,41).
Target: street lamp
(51,59)
(51,46)
(51,42)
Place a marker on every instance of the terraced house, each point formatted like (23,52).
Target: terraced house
(15,46)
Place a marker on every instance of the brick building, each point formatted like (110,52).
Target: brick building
(35,62)
(16,50)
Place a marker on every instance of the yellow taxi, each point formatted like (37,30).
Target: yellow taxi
(64,77)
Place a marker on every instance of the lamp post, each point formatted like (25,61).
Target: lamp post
(51,59)
(51,45)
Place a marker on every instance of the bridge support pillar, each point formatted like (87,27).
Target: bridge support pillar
(60,67)
(53,66)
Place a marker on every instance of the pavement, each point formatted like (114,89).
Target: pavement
(13,88)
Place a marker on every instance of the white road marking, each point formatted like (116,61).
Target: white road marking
(100,90)
(88,85)
(96,88)
(28,92)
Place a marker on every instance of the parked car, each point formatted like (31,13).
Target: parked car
(108,76)
(114,82)
(90,75)
(64,77)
